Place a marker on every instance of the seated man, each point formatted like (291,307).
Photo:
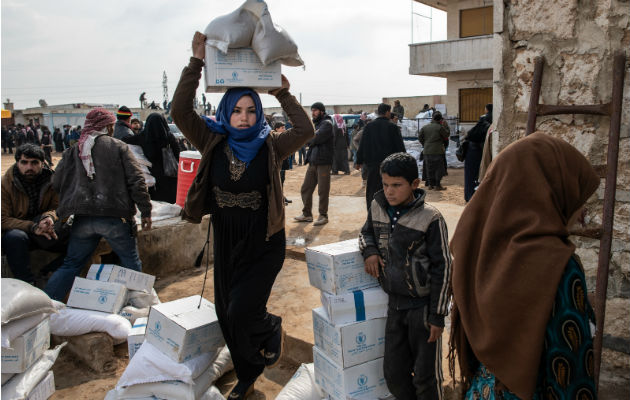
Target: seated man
(28,211)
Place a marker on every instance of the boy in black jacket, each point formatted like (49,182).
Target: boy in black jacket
(404,243)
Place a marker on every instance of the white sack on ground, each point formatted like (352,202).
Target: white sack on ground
(161,210)
(302,385)
(169,389)
(18,387)
(18,327)
(21,300)
(140,299)
(132,313)
(151,365)
(251,26)
(75,322)
(213,393)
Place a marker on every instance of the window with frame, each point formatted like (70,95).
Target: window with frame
(472,103)
(475,22)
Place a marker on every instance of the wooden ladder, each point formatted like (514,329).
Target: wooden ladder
(612,109)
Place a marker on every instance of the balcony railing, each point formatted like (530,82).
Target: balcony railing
(438,58)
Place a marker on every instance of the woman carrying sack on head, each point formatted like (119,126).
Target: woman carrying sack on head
(238,182)
(157,142)
(521,318)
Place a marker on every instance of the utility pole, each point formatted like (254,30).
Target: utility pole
(165,88)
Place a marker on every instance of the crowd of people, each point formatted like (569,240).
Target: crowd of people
(525,276)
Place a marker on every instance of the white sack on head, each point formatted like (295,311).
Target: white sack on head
(21,300)
(18,387)
(232,30)
(75,322)
(251,26)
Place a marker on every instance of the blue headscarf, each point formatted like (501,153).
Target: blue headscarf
(244,143)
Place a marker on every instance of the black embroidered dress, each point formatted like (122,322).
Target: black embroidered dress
(245,263)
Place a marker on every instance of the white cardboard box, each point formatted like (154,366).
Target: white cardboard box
(132,280)
(182,330)
(363,381)
(338,268)
(44,389)
(94,295)
(26,349)
(359,305)
(136,336)
(239,67)
(350,344)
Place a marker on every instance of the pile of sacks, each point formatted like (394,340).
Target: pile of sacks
(349,328)
(109,299)
(177,352)
(26,357)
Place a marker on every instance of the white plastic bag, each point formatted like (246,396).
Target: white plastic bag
(272,43)
(231,30)
(21,300)
(140,299)
(151,365)
(302,385)
(18,387)
(75,322)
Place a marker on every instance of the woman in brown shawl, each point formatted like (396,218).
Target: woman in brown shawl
(521,318)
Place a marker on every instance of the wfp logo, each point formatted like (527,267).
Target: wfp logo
(235,75)
(220,81)
(102,299)
(323,276)
(362,380)
(158,326)
(361,338)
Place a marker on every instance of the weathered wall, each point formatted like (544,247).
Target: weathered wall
(578,40)
(464,80)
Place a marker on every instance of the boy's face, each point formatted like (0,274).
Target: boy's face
(397,190)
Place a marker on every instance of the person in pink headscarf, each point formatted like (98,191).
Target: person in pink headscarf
(341,143)
(100,183)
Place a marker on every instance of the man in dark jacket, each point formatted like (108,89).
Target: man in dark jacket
(99,182)
(122,128)
(319,159)
(399,110)
(432,137)
(380,138)
(28,210)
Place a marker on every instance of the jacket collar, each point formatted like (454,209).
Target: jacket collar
(420,195)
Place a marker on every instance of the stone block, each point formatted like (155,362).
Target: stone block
(556,19)
(96,350)
(617,318)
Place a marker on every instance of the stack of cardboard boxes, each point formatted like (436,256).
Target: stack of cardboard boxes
(349,328)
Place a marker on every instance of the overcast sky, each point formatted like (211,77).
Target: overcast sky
(71,51)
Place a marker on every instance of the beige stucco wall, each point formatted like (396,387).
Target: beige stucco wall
(578,41)
(464,80)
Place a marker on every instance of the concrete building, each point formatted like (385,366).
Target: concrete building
(464,59)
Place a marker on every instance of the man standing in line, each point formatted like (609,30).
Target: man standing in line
(398,110)
(432,137)
(28,210)
(380,138)
(100,182)
(319,159)
(122,128)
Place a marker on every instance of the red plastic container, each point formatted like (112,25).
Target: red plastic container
(188,166)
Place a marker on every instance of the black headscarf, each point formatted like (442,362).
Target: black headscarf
(156,134)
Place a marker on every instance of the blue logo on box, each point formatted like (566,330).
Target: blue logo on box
(361,338)
(158,326)
(323,276)
(102,299)
(220,81)
(363,380)
(235,75)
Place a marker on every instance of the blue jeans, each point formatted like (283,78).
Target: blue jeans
(84,238)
